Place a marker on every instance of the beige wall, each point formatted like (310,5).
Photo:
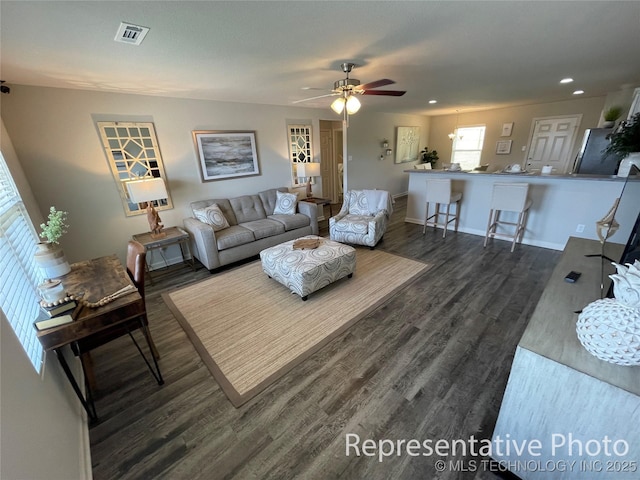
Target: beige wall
(56,140)
(43,434)
(522,118)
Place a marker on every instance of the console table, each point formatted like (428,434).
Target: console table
(557,390)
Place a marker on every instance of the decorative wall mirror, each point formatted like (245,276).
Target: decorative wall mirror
(300,150)
(133,153)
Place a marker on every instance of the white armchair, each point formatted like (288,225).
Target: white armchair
(363,218)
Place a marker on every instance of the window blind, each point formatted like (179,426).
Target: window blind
(19,275)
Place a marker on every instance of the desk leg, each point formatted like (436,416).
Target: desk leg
(147,335)
(185,245)
(88,405)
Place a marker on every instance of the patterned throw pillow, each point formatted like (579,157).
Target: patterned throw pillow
(213,216)
(285,203)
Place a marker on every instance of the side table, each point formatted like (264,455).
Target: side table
(174,235)
(320,202)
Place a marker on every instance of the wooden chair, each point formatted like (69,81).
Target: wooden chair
(136,266)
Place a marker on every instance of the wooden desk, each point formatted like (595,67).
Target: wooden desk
(96,279)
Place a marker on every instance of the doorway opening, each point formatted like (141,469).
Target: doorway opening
(331,161)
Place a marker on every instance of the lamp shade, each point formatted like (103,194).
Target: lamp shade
(146,190)
(308,170)
(338,105)
(353,105)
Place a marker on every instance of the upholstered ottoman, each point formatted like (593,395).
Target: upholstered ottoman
(308,270)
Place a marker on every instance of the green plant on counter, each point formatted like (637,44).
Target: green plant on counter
(612,114)
(429,156)
(55,226)
(626,138)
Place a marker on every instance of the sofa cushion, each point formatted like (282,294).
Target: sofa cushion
(213,216)
(233,236)
(264,228)
(248,208)
(353,223)
(285,203)
(358,203)
(224,205)
(291,222)
(269,198)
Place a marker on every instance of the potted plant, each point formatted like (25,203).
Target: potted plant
(611,115)
(429,156)
(625,142)
(49,256)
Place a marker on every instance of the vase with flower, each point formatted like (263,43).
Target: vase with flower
(49,257)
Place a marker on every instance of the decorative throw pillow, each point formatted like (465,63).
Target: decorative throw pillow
(285,203)
(213,216)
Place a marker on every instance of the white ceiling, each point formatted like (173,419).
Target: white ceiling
(467,55)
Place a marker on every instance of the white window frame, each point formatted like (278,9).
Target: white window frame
(460,133)
(19,275)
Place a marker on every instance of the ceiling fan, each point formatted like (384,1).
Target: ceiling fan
(347,89)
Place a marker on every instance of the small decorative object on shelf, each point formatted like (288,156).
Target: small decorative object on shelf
(625,142)
(50,257)
(609,328)
(611,115)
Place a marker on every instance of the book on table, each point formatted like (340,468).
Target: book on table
(53,322)
(59,309)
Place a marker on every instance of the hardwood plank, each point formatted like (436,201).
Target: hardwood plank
(432,363)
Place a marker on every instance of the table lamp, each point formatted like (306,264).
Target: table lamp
(145,191)
(308,170)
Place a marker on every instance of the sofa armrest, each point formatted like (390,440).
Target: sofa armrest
(203,242)
(310,210)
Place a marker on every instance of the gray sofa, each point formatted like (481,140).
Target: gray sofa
(252,227)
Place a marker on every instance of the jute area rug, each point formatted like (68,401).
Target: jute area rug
(250,330)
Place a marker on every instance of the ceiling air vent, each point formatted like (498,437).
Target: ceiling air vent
(131,34)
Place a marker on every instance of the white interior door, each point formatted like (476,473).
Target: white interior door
(551,143)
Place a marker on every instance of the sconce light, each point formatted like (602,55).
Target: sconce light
(387,152)
(385,144)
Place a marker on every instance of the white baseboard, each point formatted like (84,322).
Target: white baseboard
(481,233)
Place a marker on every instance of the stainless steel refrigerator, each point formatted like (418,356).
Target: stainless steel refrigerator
(591,159)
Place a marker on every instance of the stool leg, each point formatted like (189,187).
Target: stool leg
(457,215)
(437,218)
(486,235)
(516,234)
(426,215)
(446,221)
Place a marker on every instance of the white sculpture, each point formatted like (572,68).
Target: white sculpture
(610,328)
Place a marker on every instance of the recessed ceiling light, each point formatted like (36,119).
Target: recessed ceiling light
(433,101)
(578,92)
(566,80)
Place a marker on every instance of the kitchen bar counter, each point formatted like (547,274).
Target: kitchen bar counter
(562,204)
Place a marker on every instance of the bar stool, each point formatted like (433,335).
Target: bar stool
(508,197)
(439,192)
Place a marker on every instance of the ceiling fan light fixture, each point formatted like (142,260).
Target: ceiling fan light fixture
(353,105)
(338,105)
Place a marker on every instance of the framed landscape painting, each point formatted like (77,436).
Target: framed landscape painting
(226,154)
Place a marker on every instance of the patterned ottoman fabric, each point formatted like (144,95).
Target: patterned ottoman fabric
(305,271)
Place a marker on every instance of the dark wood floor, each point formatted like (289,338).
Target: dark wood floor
(430,364)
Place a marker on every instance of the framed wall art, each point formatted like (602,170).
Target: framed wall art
(507,128)
(503,147)
(408,144)
(226,154)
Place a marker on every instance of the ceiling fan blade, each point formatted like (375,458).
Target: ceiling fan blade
(314,98)
(378,83)
(390,93)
